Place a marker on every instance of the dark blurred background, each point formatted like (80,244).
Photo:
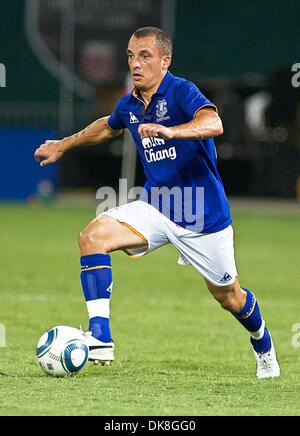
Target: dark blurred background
(63,65)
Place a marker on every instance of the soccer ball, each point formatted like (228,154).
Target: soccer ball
(62,351)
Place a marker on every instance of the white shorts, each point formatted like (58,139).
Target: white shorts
(212,254)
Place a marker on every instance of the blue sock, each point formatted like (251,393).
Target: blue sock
(96,280)
(251,319)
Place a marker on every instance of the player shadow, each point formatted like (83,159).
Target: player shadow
(31,376)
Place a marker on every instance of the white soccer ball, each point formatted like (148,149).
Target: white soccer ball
(62,351)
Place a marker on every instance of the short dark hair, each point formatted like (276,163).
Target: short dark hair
(163,40)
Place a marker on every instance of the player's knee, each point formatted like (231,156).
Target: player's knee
(228,301)
(84,239)
(230,297)
(93,239)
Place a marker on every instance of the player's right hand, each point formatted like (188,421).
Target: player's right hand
(49,152)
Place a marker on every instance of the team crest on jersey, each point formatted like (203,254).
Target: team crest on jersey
(161,110)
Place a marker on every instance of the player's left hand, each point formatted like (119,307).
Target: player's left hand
(155,131)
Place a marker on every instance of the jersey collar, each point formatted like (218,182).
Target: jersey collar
(162,89)
(165,84)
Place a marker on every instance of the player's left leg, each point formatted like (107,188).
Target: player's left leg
(243,304)
(213,256)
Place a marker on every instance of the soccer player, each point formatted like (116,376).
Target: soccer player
(173,125)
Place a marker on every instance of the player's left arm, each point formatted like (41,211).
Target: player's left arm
(205,124)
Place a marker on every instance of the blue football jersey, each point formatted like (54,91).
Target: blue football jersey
(187,167)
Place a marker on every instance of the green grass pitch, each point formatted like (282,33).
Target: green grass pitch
(178,352)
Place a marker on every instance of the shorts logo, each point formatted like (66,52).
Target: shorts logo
(226,278)
(133,118)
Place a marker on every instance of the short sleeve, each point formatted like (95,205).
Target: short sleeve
(191,99)
(115,121)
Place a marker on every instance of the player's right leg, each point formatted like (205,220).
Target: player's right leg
(101,237)
(105,234)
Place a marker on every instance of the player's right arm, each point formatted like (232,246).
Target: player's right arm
(97,132)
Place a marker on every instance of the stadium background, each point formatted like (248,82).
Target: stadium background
(241,60)
(177,352)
